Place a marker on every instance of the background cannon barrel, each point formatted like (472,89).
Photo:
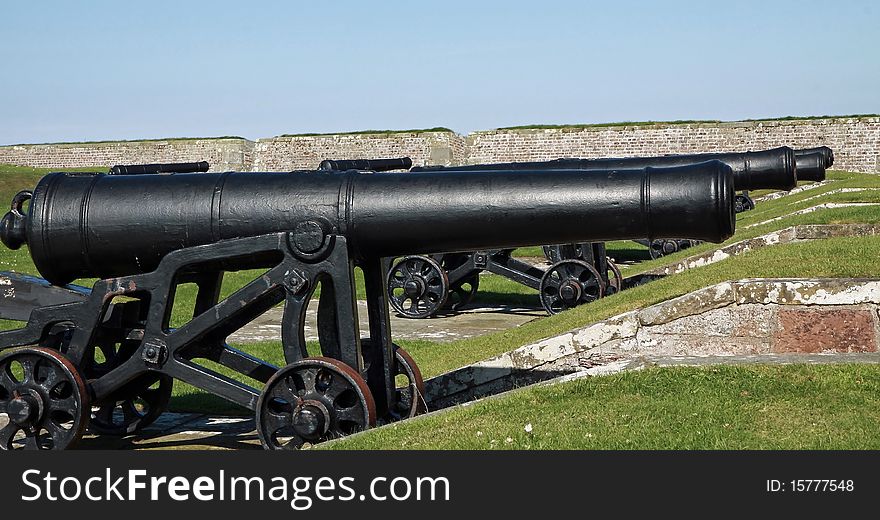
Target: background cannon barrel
(811,166)
(376,165)
(98,225)
(136,169)
(768,169)
(826,152)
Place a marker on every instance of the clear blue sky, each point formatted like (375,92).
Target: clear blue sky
(123,70)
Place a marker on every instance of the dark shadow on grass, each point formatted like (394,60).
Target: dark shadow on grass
(485,382)
(203,402)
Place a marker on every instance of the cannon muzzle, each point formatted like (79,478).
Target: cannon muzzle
(827,154)
(768,169)
(97,225)
(376,165)
(138,169)
(811,166)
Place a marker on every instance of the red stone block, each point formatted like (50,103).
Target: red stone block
(832,330)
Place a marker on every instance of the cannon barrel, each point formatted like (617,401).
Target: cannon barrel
(137,169)
(827,154)
(768,169)
(376,165)
(811,166)
(97,225)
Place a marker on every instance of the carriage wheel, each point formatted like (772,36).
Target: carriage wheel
(615,279)
(43,400)
(133,407)
(417,286)
(311,401)
(570,283)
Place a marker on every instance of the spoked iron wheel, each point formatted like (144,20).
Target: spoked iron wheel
(43,400)
(462,292)
(133,407)
(615,279)
(660,247)
(312,401)
(743,202)
(570,283)
(417,286)
(409,386)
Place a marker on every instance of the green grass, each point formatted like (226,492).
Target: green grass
(724,407)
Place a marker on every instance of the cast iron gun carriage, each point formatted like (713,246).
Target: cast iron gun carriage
(143,236)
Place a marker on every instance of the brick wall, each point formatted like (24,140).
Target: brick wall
(223,154)
(855,141)
(306,152)
(856,144)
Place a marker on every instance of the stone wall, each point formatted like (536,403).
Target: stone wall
(856,144)
(306,152)
(855,141)
(223,154)
(751,318)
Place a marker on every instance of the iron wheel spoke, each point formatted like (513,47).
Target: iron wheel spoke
(68,404)
(130,414)
(353,413)
(105,412)
(27,364)
(7,433)
(30,440)
(276,421)
(59,435)
(5,379)
(52,378)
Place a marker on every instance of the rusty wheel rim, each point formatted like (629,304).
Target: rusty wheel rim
(409,397)
(615,281)
(43,400)
(312,401)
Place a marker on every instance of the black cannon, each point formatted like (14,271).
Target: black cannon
(826,153)
(98,351)
(376,165)
(136,169)
(420,286)
(768,169)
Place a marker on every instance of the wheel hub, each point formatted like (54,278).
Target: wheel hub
(26,408)
(414,287)
(570,292)
(311,420)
